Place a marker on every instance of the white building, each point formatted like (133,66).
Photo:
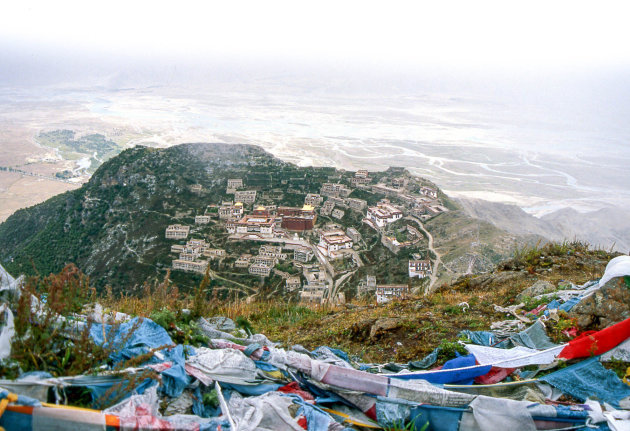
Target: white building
(177,231)
(264,226)
(200,244)
(327,208)
(245,196)
(387,292)
(272,251)
(335,190)
(243,261)
(313,199)
(214,253)
(340,202)
(430,192)
(356,204)
(367,286)
(202,219)
(177,248)
(399,183)
(233,184)
(358,181)
(333,241)
(383,214)
(231,212)
(435,209)
(194,266)
(293,283)
(189,256)
(259,269)
(313,292)
(419,268)
(354,234)
(270,261)
(190,253)
(303,254)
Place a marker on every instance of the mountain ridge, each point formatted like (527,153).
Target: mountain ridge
(598,228)
(113,226)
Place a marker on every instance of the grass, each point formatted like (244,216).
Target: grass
(411,426)
(533,255)
(531,303)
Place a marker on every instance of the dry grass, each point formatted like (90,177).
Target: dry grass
(420,323)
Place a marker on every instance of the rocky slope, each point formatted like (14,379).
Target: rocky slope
(410,329)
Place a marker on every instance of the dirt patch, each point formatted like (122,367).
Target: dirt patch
(17,191)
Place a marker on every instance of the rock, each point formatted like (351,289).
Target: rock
(384,325)
(212,332)
(485,280)
(221,323)
(538,288)
(360,331)
(181,405)
(607,306)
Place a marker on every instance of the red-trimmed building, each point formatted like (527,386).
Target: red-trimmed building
(297,219)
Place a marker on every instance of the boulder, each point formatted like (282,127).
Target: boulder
(384,325)
(360,331)
(181,405)
(221,323)
(607,306)
(538,288)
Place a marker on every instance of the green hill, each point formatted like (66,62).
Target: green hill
(112,228)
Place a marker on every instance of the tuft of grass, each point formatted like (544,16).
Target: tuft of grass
(530,256)
(621,368)
(410,426)
(531,303)
(450,350)
(554,329)
(47,336)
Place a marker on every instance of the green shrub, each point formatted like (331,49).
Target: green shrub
(48,336)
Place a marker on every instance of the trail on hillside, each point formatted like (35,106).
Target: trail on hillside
(438,256)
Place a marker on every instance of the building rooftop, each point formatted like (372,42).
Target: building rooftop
(336,236)
(252,219)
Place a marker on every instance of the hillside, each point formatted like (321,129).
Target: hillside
(113,227)
(603,228)
(408,330)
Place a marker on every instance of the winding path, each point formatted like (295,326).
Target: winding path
(438,257)
(214,275)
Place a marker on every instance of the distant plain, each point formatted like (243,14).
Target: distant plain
(472,148)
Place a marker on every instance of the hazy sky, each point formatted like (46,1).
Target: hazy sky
(542,76)
(487,37)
